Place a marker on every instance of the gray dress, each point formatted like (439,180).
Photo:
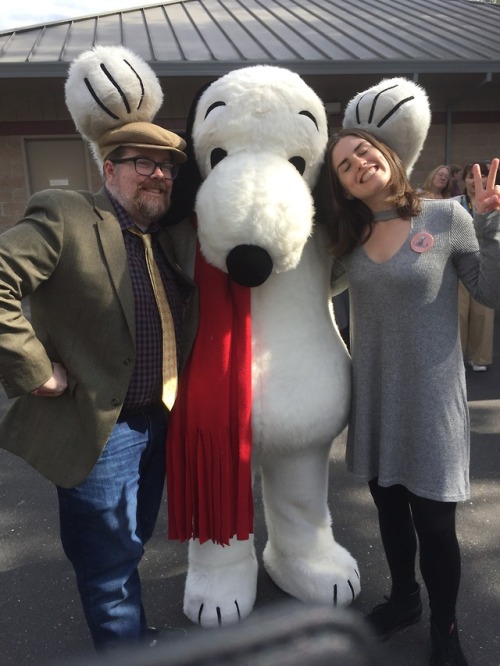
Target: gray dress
(409,423)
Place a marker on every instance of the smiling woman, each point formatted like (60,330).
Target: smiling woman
(362,169)
(401,256)
(362,177)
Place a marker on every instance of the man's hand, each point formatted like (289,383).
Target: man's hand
(56,385)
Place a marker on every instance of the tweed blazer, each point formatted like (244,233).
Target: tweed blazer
(67,254)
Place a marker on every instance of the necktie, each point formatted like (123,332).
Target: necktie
(169,351)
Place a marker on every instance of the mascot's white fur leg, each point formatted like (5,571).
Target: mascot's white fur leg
(302,556)
(221,582)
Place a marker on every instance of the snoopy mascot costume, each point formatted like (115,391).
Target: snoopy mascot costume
(267,388)
(274,403)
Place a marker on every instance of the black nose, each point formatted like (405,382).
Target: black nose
(249,265)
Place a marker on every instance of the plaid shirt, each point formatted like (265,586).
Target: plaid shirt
(145,387)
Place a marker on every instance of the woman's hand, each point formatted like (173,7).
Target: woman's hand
(487,196)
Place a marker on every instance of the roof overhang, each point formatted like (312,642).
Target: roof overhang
(313,67)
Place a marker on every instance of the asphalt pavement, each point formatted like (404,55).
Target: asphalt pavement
(41,621)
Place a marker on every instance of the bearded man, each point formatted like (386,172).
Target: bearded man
(87,369)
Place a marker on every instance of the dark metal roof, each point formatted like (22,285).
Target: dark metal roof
(209,37)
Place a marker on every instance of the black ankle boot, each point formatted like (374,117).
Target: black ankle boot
(395,614)
(446,648)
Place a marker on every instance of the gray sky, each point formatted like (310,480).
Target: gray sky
(31,12)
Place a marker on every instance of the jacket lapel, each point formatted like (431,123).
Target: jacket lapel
(111,237)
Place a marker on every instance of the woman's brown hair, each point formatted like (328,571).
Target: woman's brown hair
(350,221)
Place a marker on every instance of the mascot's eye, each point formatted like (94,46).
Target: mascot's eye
(216,156)
(299,163)
(308,114)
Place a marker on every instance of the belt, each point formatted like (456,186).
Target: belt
(145,410)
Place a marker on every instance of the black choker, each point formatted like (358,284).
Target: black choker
(382,215)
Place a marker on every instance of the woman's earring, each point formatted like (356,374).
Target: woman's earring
(348,196)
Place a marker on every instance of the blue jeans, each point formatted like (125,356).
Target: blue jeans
(106,520)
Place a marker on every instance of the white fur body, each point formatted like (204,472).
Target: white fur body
(300,402)
(300,366)
(265,121)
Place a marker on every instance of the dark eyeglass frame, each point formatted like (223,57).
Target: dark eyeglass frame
(168,169)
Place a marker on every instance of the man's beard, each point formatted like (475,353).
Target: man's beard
(148,210)
(143,210)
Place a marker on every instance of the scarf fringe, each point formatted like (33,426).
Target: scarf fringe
(212,511)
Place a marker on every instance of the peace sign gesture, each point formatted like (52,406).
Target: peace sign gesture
(487,198)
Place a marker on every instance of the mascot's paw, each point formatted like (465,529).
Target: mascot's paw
(221,583)
(331,580)
(397,111)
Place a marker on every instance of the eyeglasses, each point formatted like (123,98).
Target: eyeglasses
(146,167)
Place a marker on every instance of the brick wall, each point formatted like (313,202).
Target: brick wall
(470,142)
(13,191)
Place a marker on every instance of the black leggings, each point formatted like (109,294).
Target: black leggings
(402,518)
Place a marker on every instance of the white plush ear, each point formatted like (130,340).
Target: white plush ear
(397,112)
(109,86)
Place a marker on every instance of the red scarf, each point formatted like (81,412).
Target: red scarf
(209,440)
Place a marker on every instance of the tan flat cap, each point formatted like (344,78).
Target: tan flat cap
(142,135)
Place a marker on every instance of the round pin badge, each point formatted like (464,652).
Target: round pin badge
(422,242)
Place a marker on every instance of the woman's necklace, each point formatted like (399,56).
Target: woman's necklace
(383,215)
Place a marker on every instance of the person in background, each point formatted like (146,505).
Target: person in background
(437,185)
(86,372)
(455,176)
(476,320)
(401,257)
